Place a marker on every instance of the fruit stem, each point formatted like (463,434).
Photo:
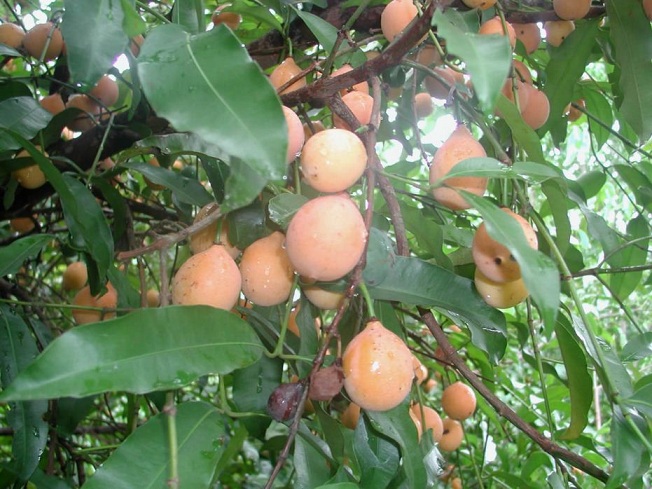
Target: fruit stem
(170,411)
(278,349)
(160,17)
(367,298)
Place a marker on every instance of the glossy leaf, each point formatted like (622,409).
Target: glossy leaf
(642,400)
(146,350)
(189,14)
(244,120)
(630,457)
(186,189)
(487,58)
(325,32)
(522,133)
(15,254)
(132,23)
(283,207)
(377,456)
(17,349)
(143,459)
(566,66)
(628,26)
(94,38)
(24,116)
(597,106)
(637,348)
(633,254)
(415,282)
(491,167)
(312,466)
(539,272)
(580,383)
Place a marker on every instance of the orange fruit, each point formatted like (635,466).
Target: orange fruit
(43,39)
(75,276)
(458,401)
(11,35)
(396,16)
(285,72)
(108,300)
(529,35)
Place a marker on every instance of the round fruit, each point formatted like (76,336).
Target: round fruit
(420,370)
(430,421)
(22,225)
(522,94)
(360,104)
(458,147)
(333,160)
(423,105)
(284,401)
(108,300)
(296,136)
(351,415)
(557,31)
(430,385)
(573,112)
(83,122)
(500,294)
(522,72)
(285,72)
(571,9)
(481,4)
(458,401)
(323,299)
(536,113)
(53,104)
(267,274)
(647,6)
(204,239)
(43,40)
(231,19)
(378,368)
(456,483)
(492,258)
(452,436)
(529,35)
(31,176)
(358,87)
(153,298)
(396,16)
(75,276)
(11,35)
(326,237)
(210,277)
(495,26)
(441,90)
(106,91)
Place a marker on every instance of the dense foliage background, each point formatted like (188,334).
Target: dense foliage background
(177,396)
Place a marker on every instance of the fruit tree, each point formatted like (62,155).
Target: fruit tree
(325,244)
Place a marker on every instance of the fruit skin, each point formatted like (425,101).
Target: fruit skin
(11,35)
(536,113)
(109,300)
(436,88)
(75,276)
(106,91)
(481,4)
(395,17)
(453,435)
(284,401)
(494,259)
(350,416)
(423,105)
(296,135)
(557,31)
(267,274)
(204,239)
(29,177)
(378,368)
(360,104)
(153,298)
(211,278)
(647,6)
(571,9)
(333,160)
(575,113)
(358,87)
(529,35)
(458,147)
(37,37)
(326,383)
(283,73)
(458,401)
(500,295)
(231,19)
(327,300)
(432,421)
(22,225)
(53,103)
(317,126)
(326,237)
(83,122)
(495,26)
(456,483)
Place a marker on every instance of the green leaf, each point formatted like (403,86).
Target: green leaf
(637,182)
(132,24)
(637,348)
(629,30)
(244,119)
(377,456)
(187,190)
(17,349)
(634,253)
(312,467)
(146,350)
(189,14)
(94,38)
(415,282)
(566,66)
(340,485)
(325,32)
(14,255)
(642,400)
(557,200)
(487,58)
(24,116)
(539,272)
(491,167)
(630,457)
(597,106)
(282,207)
(523,134)
(398,425)
(580,383)
(143,459)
